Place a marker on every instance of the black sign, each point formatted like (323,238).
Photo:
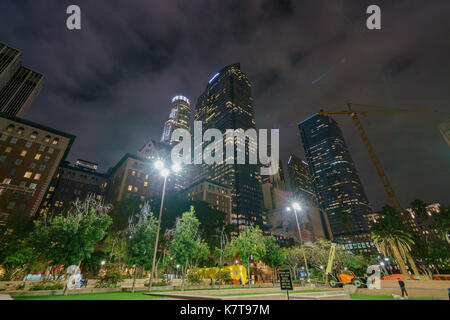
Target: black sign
(285,280)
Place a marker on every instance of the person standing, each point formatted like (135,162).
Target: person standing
(401,283)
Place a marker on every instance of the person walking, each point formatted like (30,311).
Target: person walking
(401,283)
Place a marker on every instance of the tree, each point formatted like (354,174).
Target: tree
(294,257)
(141,242)
(274,256)
(70,238)
(186,246)
(250,242)
(16,256)
(221,251)
(390,236)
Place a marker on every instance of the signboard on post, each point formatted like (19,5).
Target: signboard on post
(285,280)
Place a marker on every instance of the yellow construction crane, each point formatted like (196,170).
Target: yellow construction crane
(354,114)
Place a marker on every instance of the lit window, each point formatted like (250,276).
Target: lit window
(23,153)
(145,184)
(135,189)
(8,149)
(10,128)
(47,139)
(55,141)
(27,174)
(130,187)
(37,176)
(37,156)
(20,131)
(33,135)
(133,173)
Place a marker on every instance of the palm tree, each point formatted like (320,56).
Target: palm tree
(390,236)
(421,207)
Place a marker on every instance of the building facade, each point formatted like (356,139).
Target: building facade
(227,103)
(29,157)
(179,118)
(336,181)
(217,195)
(18,85)
(300,181)
(133,176)
(71,183)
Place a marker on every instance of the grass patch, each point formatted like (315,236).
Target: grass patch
(95,296)
(370,297)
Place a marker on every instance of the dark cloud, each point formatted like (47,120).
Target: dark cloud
(110,84)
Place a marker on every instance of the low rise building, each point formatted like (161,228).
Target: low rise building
(71,183)
(216,194)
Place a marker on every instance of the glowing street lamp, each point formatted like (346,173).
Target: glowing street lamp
(296,206)
(159,165)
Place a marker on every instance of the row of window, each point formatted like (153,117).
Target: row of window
(33,135)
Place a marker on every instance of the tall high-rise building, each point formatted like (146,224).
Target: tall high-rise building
(179,118)
(227,104)
(300,180)
(18,85)
(335,180)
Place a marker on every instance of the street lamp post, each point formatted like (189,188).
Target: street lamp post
(164,172)
(296,207)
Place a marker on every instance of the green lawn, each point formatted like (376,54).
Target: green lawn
(95,296)
(370,297)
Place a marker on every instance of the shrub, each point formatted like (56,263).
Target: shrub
(110,277)
(156,284)
(48,286)
(194,278)
(225,277)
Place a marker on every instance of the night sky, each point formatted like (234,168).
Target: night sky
(110,84)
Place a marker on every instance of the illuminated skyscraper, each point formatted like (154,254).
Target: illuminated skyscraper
(300,180)
(179,118)
(18,85)
(227,104)
(335,180)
